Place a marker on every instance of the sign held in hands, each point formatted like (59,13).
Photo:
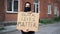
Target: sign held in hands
(28,21)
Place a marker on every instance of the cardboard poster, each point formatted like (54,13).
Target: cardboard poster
(28,21)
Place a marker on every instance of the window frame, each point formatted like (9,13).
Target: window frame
(35,7)
(49,8)
(12,7)
(55,9)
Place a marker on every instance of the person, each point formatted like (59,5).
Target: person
(27,8)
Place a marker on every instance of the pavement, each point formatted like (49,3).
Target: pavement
(43,29)
(49,29)
(8,29)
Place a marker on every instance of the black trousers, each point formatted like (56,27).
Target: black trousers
(30,32)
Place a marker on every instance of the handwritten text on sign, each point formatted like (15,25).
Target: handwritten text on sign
(28,21)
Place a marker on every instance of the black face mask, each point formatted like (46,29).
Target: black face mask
(27,9)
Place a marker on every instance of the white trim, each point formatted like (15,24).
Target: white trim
(11,12)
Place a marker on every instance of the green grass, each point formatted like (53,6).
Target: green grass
(1,28)
(57,19)
(50,21)
(46,21)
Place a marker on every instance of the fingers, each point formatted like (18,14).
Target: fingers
(25,30)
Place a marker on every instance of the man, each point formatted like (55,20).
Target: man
(27,8)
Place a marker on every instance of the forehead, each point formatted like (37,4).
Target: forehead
(27,3)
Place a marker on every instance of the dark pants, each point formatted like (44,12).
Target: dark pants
(30,32)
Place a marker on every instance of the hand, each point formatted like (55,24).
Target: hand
(25,30)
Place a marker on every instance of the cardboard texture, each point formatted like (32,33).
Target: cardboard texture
(28,21)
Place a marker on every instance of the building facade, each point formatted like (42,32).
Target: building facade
(47,8)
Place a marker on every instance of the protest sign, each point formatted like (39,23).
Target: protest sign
(28,21)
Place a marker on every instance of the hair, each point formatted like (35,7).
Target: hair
(29,3)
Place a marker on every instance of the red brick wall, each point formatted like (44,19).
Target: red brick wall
(43,9)
(2,14)
(59,7)
(11,17)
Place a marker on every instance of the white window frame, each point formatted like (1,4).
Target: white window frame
(12,8)
(55,9)
(49,9)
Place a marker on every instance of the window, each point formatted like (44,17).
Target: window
(36,1)
(49,9)
(55,9)
(12,6)
(36,6)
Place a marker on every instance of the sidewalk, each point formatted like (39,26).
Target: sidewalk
(49,29)
(43,29)
(8,29)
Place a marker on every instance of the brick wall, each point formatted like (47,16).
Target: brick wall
(2,14)
(11,17)
(43,9)
(59,7)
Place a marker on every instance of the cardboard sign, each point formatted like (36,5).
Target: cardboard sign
(28,21)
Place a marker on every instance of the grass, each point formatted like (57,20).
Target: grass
(50,21)
(57,19)
(46,21)
(1,28)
